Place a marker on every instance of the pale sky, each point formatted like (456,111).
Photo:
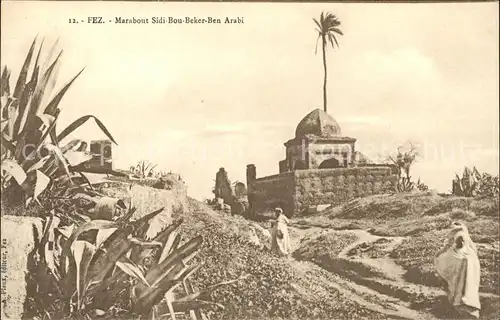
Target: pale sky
(193,98)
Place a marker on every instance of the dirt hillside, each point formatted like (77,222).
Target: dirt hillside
(370,259)
(387,244)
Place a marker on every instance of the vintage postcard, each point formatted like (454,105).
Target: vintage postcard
(249,160)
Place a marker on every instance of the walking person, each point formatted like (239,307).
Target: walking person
(458,264)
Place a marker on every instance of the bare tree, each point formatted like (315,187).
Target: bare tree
(403,160)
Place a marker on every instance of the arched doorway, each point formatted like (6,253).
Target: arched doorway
(329,164)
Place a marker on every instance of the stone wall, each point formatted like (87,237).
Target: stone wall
(18,242)
(296,153)
(272,191)
(321,152)
(295,191)
(102,156)
(223,188)
(334,186)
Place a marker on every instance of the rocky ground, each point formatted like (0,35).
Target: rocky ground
(389,243)
(275,288)
(369,259)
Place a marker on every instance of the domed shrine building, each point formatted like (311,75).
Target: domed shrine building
(321,167)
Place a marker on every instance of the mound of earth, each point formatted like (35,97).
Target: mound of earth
(275,288)
(390,206)
(369,259)
(397,239)
(416,255)
(327,243)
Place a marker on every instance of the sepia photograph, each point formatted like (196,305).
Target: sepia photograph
(249,160)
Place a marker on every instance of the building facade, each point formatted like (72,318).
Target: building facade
(102,154)
(321,166)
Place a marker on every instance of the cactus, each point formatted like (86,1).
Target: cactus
(402,161)
(472,183)
(422,186)
(467,185)
(405,184)
(84,278)
(488,186)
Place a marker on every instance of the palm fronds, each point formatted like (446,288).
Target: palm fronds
(328,29)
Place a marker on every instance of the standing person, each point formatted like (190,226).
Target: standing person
(458,264)
(280,240)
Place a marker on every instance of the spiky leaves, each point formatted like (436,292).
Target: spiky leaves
(468,184)
(328,27)
(29,116)
(144,169)
(93,277)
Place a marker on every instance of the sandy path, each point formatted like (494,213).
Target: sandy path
(385,291)
(383,264)
(364,296)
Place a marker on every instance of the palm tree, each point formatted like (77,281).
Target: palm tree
(327,28)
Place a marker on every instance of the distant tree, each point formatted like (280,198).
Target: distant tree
(403,160)
(327,29)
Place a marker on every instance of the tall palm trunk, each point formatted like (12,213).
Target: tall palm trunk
(323,38)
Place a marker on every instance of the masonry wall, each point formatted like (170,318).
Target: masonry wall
(335,186)
(270,192)
(324,151)
(102,156)
(295,153)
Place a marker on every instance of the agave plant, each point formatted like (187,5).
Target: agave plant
(489,185)
(422,186)
(472,183)
(31,154)
(87,277)
(405,184)
(402,161)
(144,169)
(466,185)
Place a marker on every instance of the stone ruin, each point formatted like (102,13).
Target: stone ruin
(227,198)
(240,190)
(222,188)
(102,154)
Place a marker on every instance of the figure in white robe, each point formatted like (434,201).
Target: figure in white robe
(458,264)
(280,240)
(253,238)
